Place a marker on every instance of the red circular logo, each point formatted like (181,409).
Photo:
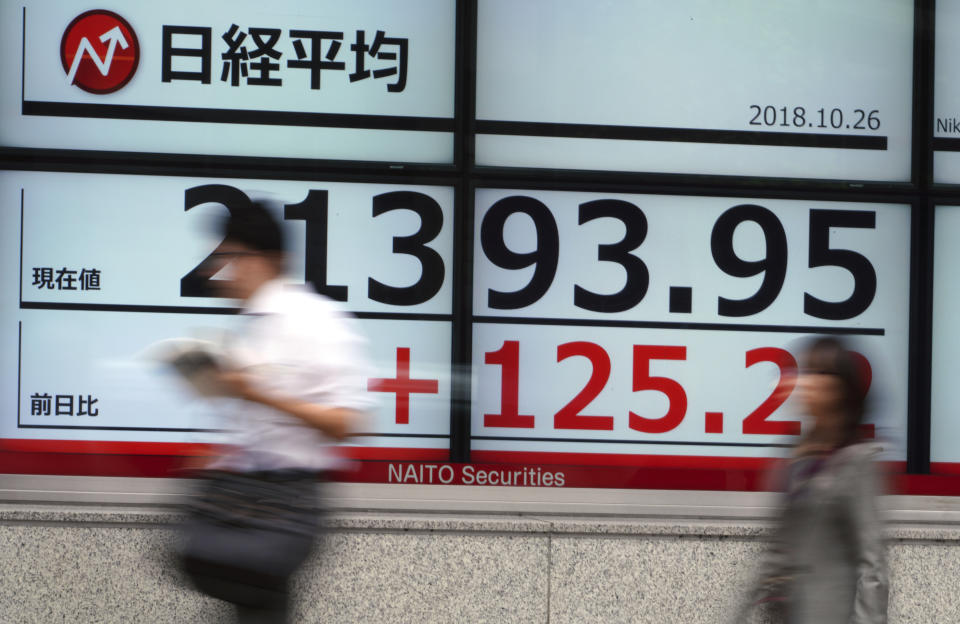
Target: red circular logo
(99,51)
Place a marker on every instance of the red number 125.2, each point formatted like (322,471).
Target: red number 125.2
(569,417)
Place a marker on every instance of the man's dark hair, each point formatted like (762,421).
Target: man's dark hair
(830,355)
(254,227)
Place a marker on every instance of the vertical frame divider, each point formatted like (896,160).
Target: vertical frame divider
(462,274)
(921,317)
(921,244)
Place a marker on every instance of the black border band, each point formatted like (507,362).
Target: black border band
(238,116)
(684,135)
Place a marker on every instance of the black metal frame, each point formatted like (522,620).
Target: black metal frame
(921,244)
(465,177)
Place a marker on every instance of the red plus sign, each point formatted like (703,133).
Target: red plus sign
(403,386)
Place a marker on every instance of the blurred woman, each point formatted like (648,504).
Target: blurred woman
(827,564)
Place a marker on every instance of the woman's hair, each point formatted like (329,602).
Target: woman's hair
(829,355)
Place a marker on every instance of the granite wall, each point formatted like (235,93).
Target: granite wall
(85,563)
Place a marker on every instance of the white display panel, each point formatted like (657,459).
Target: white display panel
(97,269)
(348,81)
(946,95)
(582,301)
(786,89)
(944,390)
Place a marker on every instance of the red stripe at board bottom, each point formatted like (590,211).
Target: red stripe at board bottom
(148,459)
(186,449)
(699,473)
(427,466)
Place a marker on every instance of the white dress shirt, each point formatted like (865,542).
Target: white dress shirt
(297,344)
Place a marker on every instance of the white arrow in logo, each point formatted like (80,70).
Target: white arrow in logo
(114,36)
